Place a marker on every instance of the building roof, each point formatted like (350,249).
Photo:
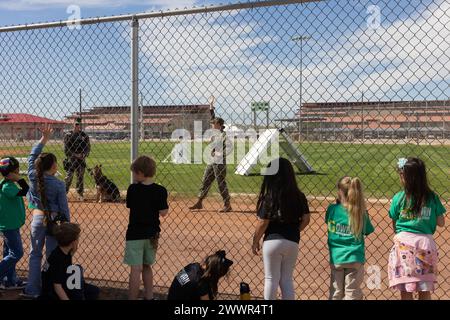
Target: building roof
(109,126)
(396,104)
(173,110)
(386,119)
(26,118)
(119,124)
(118,117)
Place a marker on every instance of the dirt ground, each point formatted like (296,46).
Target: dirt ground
(190,236)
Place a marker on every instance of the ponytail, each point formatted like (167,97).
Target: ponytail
(43,163)
(354,203)
(41,184)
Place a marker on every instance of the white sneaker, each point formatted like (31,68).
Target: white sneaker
(81,198)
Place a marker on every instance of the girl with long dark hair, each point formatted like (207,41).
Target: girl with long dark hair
(283,213)
(47,198)
(415,213)
(200,281)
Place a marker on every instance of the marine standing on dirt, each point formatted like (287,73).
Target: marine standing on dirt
(76,148)
(218,168)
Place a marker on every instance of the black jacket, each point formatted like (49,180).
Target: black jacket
(76,142)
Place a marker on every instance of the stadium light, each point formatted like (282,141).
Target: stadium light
(80,105)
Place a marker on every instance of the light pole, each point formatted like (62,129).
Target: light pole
(80,106)
(301,39)
(141,120)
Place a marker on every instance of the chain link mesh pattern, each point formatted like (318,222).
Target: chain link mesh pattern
(368,93)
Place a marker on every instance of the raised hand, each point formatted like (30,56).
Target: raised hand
(212,100)
(46,131)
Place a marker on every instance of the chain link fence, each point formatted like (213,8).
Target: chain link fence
(354,84)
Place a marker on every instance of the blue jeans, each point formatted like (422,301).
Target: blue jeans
(12,253)
(39,237)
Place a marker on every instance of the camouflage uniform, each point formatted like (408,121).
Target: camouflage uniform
(76,143)
(217,169)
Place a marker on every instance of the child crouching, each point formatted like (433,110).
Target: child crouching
(62,280)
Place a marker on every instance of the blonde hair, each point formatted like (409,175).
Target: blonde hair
(354,203)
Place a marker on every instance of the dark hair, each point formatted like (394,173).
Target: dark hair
(8,165)
(217,266)
(43,163)
(66,233)
(219,121)
(416,184)
(144,164)
(280,197)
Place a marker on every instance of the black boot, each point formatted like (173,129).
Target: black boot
(197,206)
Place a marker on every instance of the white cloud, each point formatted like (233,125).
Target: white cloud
(197,57)
(45,4)
(187,58)
(415,49)
(170,4)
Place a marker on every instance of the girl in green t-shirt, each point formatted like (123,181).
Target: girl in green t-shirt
(348,223)
(415,213)
(12,217)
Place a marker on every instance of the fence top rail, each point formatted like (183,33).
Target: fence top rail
(155,14)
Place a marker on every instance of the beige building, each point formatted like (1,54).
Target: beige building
(157,122)
(383,119)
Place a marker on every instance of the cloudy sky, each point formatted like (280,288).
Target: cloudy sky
(371,50)
(14,12)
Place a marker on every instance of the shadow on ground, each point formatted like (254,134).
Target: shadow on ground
(109,293)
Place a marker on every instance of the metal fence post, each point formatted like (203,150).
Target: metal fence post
(134,125)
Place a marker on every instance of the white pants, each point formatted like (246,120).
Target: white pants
(279,258)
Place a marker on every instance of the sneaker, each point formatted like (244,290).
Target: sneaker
(80,198)
(28,296)
(196,206)
(19,285)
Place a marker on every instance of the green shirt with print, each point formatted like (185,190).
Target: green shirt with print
(12,208)
(343,246)
(406,221)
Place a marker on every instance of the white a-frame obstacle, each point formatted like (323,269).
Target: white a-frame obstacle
(260,147)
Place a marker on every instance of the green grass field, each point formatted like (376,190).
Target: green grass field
(374,164)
